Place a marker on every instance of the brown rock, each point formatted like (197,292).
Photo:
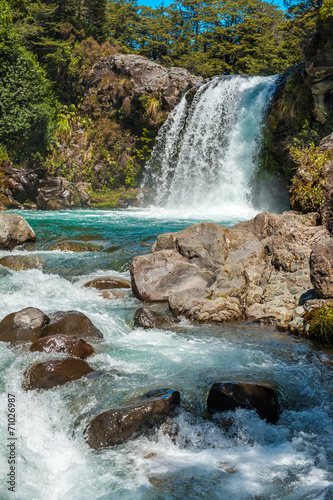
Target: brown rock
(63,343)
(118,425)
(147,318)
(224,396)
(22,262)
(71,323)
(14,231)
(55,372)
(23,326)
(73,246)
(108,283)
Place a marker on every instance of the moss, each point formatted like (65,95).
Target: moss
(318,325)
(113,198)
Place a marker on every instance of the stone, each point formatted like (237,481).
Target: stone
(22,262)
(258,269)
(71,323)
(73,246)
(148,76)
(68,344)
(14,231)
(203,244)
(225,396)
(158,275)
(23,326)
(116,426)
(321,268)
(116,293)
(108,283)
(56,372)
(147,318)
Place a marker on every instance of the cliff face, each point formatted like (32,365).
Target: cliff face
(300,116)
(122,100)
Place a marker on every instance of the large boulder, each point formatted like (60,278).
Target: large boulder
(71,323)
(158,275)
(148,77)
(321,266)
(23,326)
(262,398)
(68,344)
(14,231)
(116,426)
(55,372)
(258,269)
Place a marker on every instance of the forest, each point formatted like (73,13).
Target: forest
(48,47)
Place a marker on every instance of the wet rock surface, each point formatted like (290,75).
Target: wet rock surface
(257,270)
(108,283)
(22,262)
(14,231)
(71,323)
(116,426)
(68,344)
(55,372)
(224,396)
(23,326)
(147,318)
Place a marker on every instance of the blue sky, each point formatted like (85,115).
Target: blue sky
(157,3)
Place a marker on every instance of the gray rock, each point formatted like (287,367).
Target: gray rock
(14,231)
(147,318)
(321,266)
(158,275)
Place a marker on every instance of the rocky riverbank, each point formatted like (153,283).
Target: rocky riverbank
(259,270)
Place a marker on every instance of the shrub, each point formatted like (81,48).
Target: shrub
(318,325)
(308,185)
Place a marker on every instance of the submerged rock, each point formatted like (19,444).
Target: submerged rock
(55,372)
(68,344)
(108,283)
(23,326)
(225,396)
(14,231)
(146,318)
(71,323)
(116,426)
(22,262)
(73,246)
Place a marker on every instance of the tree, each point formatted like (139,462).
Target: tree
(25,103)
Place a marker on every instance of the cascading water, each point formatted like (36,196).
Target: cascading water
(206,152)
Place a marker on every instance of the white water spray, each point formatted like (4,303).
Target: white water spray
(206,152)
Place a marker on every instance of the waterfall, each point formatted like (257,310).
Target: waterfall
(206,152)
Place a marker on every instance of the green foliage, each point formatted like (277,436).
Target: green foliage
(308,185)
(326,11)
(318,325)
(25,95)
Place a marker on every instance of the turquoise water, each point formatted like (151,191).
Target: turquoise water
(190,456)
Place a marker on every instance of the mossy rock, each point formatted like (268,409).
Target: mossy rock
(318,325)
